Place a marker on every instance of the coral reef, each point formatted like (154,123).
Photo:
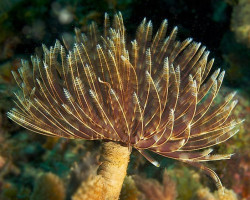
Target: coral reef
(82,170)
(185,177)
(129,190)
(205,194)
(151,189)
(240,22)
(48,187)
(238,166)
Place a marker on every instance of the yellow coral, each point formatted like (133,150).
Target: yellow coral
(227,195)
(205,194)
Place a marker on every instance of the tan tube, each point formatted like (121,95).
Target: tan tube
(114,162)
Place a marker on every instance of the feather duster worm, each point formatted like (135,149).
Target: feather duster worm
(151,94)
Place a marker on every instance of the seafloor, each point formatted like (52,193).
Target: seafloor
(38,167)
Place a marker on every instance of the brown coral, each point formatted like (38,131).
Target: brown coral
(153,190)
(152,93)
(48,187)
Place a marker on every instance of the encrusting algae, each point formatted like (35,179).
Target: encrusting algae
(152,93)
